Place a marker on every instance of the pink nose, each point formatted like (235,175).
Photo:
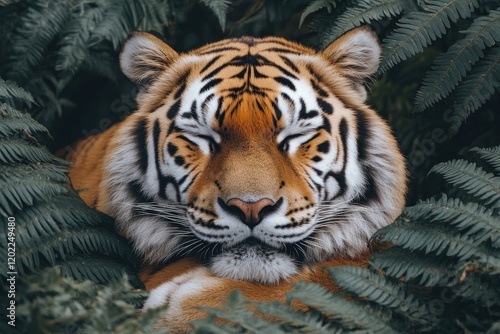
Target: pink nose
(250,210)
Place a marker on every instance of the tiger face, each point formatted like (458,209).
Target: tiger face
(256,156)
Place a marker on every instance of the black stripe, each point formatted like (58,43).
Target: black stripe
(174,110)
(290,64)
(324,147)
(304,114)
(210,84)
(282,50)
(277,110)
(370,192)
(363,135)
(318,89)
(285,82)
(161,178)
(227,48)
(188,140)
(140,135)
(325,106)
(210,63)
(340,177)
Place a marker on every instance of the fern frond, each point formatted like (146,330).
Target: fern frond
(20,191)
(477,88)
(74,45)
(433,238)
(418,29)
(8,2)
(472,179)
(353,315)
(472,218)
(14,124)
(412,265)
(37,29)
(16,151)
(450,67)
(296,321)
(376,288)
(95,268)
(219,8)
(9,90)
(241,318)
(478,287)
(114,25)
(491,155)
(365,11)
(316,5)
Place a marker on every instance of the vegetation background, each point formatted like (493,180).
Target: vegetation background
(437,86)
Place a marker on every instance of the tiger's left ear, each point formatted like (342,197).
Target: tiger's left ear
(144,57)
(356,54)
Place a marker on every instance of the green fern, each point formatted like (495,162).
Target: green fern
(452,66)
(365,11)
(37,29)
(472,179)
(52,303)
(477,88)
(316,5)
(219,8)
(52,222)
(419,29)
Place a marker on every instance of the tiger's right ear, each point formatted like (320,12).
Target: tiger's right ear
(144,57)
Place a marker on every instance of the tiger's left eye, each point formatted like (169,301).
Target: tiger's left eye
(212,144)
(284,145)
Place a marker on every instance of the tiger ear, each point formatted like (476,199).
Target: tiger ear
(356,53)
(145,56)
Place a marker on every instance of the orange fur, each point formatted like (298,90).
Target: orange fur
(249,139)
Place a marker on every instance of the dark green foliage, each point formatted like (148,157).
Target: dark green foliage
(53,225)
(51,303)
(442,57)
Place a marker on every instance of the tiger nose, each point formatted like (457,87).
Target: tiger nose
(250,212)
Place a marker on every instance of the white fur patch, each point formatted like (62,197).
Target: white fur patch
(254,263)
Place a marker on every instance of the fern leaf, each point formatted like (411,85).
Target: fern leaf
(452,66)
(411,265)
(95,268)
(316,5)
(433,238)
(472,179)
(18,192)
(491,155)
(420,28)
(17,151)
(9,90)
(480,288)
(376,288)
(237,313)
(474,219)
(477,88)
(14,123)
(8,2)
(295,321)
(113,27)
(36,31)
(219,8)
(352,315)
(365,11)
(74,45)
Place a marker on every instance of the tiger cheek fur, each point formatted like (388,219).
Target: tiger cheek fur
(248,164)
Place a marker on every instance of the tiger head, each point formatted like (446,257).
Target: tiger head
(255,155)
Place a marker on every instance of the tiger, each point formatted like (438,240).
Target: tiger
(250,164)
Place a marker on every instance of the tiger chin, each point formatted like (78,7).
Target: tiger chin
(249,164)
